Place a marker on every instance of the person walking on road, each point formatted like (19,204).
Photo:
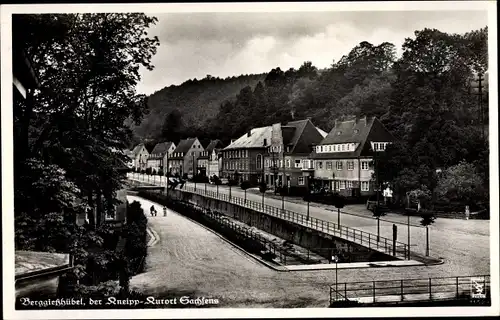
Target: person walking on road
(467,212)
(164,211)
(153,211)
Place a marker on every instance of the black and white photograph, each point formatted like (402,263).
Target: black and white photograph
(250,159)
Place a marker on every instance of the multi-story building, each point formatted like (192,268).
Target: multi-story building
(158,157)
(184,158)
(244,157)
(343,161)
(290,145)
(140,157)
(208,161)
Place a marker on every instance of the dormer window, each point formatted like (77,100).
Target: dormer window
(356,131)
(339,133)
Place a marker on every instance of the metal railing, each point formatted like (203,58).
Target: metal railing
(354,235)
(351,234)
(412,290)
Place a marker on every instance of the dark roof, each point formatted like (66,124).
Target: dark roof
(367,130)
(214,144)
(304,136)
(349,131)
(160,149)
(183,147)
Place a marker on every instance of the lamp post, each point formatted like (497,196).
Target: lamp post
(408,236)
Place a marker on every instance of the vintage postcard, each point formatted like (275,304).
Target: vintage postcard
(250,160)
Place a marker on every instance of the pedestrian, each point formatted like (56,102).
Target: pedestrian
(164,211)
(467,212)
(153,211)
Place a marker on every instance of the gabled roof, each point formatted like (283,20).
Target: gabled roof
(183,147)
(137,149)
(305,135)
(214,144)
(349,131)
(255,140)
(160,149)
(354,131)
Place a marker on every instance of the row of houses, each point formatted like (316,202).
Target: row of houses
(293,155)
(189,158)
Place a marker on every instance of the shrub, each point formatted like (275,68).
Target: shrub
(160,172)
(262,187)
(246,185)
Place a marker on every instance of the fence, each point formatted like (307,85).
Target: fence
(414,290)
(357,236)
(366,239)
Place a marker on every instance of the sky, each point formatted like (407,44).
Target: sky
(221,44)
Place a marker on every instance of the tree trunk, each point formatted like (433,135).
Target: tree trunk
(91,210)
(427,240)
(99,211)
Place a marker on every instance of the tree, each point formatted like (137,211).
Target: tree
(74,126)
(172,126)
(378,212)
(427,219)
(245,185)
(461,183)
(339,203)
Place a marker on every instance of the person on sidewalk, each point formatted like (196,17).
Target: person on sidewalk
(164,211)
(467,212)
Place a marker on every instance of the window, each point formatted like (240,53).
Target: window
(319,165)
(317,149)
(301,181)
(343,147)
(350,165)
(288,163)
(339,165)
(330,148)
(259,161)
(342,185)
(350,184)
(281,164)
(297,163)
(329,165)
(364,165)
(267,163)
(365,186)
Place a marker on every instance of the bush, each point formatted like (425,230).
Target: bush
(262,187)
(148,171)
(160,172)
(245,185)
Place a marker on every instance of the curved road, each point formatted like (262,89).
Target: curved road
(191,260)
(464,244)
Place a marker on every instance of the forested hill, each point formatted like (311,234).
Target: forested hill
(196,100)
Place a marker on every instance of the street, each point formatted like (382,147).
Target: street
(191,260)
(464,244)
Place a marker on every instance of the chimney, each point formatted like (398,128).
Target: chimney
(249,133)
(265,142)
(336,121)
(364,119)
(292,113)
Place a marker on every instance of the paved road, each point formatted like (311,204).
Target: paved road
(464,244)
(191,260)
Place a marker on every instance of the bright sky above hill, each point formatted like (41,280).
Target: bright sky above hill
(195,44)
